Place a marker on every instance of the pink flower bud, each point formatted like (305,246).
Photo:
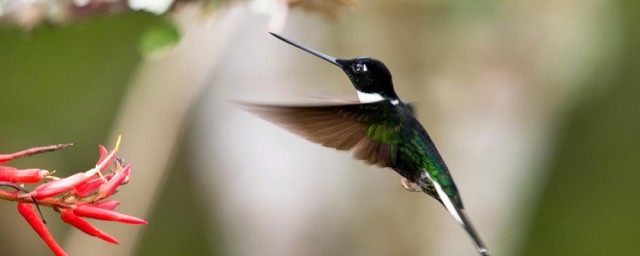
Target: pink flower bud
(103,154)
(105,159)
(6,169)
(68,216)
(29,213)
(86,210)
(5,158)
(107,189)
(107,204)
(58,186)
(14,175)
(86,188)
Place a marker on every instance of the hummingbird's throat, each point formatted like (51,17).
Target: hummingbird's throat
(369,97)
(373,97)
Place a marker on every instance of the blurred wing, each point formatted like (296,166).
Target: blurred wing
(370,130)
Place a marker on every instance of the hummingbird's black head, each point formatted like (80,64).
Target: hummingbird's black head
(369,76)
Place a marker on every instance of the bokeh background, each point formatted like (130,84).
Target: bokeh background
(535,106)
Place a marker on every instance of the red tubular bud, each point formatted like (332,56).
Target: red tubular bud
(29,213)
(107,204)
(103,154)
(30,175)
(89,211)
(88,187)
(107,189)
(59,186)
(14,175)
(105,160)
(84,226)
(5,158)
(6,173)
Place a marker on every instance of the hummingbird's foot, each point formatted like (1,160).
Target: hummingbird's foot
(410,186)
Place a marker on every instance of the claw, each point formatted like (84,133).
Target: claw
(410,186)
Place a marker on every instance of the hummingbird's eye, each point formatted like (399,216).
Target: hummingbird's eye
(359,68)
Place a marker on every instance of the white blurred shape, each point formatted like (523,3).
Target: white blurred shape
(153,6)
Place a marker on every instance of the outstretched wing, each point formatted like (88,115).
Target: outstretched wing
(371,130)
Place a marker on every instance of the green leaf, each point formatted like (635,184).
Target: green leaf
(159,37)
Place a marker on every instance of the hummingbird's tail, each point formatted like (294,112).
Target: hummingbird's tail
(466,224)
(461,217)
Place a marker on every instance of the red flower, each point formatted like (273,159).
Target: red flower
(10,174)
(36,223)
(86,188)
(90,211)
(107,204)
(59,186)
(67,184)
(68,216)
(103,154)
(107,188)
(82,194)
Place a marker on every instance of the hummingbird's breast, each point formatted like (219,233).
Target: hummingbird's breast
(418,156)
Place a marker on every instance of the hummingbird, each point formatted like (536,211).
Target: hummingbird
(379,128)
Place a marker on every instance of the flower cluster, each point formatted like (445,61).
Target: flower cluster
(84,194)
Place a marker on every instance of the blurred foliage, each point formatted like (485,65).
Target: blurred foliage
(330,8)
(159,37)
(589,204)
(28,14)
(64,84)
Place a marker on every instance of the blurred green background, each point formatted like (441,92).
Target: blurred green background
(533,103)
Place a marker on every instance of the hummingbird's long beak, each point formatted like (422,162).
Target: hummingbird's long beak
(309,50)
